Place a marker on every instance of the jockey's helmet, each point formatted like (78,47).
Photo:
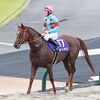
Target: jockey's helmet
(49,9)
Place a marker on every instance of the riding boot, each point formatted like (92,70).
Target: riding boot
(55,44)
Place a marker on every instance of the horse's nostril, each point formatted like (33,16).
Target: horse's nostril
(16,46)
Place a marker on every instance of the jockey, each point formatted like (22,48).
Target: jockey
(50,28)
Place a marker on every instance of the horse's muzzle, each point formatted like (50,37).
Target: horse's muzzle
(16,45)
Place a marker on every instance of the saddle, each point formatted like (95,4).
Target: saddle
(63,46)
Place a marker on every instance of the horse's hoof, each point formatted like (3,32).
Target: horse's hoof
(67,89)
(54,93)
(28,92)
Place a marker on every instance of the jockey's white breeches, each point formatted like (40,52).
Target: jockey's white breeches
(54,36)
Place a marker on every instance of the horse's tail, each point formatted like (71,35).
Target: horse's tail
(84,48)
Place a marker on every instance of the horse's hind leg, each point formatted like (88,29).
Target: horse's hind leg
(50,72)
(70,67)
(71,75)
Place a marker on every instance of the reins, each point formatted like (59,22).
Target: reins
(44,34)
(36,39)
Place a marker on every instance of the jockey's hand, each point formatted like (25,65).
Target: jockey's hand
(44,32)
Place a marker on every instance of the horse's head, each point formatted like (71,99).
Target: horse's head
(27,34)
(21,37)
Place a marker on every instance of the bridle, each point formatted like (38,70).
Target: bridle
(29,41)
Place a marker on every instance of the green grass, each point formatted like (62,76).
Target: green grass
(9,7)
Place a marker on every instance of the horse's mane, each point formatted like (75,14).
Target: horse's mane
(34,31)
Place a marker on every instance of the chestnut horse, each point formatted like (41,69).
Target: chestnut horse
(41,55)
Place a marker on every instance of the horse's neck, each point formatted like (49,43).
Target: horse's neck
(34,34)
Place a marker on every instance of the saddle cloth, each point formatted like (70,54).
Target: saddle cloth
(63,46)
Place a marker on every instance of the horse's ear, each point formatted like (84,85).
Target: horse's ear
(26,28)
(22,26)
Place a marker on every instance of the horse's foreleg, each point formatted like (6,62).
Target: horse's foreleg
(51,78)
(33,72)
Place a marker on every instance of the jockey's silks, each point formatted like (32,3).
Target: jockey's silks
(51,24)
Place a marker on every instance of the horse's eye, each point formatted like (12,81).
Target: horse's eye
(18,32)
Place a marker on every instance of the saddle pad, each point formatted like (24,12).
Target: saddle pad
(63,46)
